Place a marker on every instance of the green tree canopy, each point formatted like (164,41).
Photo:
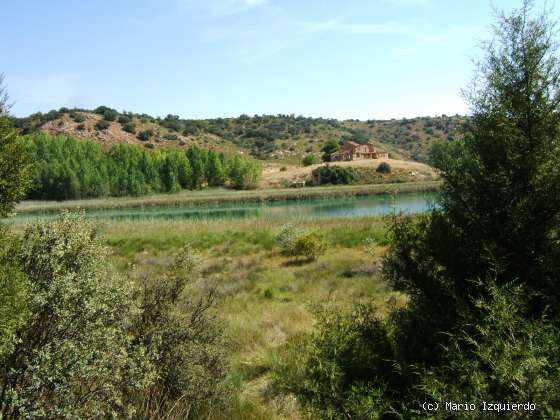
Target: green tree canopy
(330,147)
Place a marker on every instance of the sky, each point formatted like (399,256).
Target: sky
(365,59)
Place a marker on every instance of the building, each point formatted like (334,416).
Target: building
(355,151)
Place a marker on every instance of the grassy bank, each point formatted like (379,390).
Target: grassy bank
(214,196)
(265,300)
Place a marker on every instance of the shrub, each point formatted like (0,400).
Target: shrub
(334,175)
(268,294)
(77,117)
(310,246)
(76,336)
(145,135)
(129,127)
(384,168)
(309,160)
(109,114)
(295,242)
(102,125)
(283,169)
(81,127)
(183,339)
(287,238)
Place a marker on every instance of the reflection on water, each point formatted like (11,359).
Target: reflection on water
(337,207)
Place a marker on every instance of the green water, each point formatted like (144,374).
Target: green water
(371,205)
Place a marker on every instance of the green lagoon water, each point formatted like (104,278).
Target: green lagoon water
(371,205)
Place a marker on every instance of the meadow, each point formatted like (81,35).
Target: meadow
(266,301)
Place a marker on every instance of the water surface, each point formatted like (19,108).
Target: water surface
(370,205)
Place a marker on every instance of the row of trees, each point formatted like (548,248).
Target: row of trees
(66,168)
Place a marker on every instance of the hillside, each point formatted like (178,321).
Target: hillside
(284,138)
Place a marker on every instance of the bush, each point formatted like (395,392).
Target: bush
(334,175)
(129,127)
(309,160)
(76,336)
(102,125)
(77,117)
(81,127)
(295,242)
(384,168)
(145,135)
(183,339)
(310,246)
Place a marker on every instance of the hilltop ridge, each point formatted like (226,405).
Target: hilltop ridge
(285,138)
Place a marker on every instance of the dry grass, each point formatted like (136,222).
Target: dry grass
(272,174)
(264,300)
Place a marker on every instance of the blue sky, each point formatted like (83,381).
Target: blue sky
(219,58)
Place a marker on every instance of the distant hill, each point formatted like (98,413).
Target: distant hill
(271,137)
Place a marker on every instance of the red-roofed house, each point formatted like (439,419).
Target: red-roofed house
(355,151)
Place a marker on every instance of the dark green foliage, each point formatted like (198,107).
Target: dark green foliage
(384,168)
(309,160)
(14,167)
(109,114)
(145,135)
(330,147)
(481,272)
(334,175)
(129,127)
(215,170)
(102,125)
(197,159)
(77,116)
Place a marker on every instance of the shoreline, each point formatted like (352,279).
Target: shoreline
(195,198)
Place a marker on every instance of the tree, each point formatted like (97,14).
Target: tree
(15,163)
(330,147)
(73,356)
(481,271)
(215,172)
(197,163)
(243,173)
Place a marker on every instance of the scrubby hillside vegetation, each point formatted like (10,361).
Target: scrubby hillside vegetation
(270,137)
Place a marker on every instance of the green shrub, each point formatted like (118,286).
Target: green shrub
(268,294)
(129,127)
(384,168)
(309,160)
(295,242)
(287,238)
(76,336)
(145,135)
(102,125)
(334,175)
(310,246)
(77,116)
